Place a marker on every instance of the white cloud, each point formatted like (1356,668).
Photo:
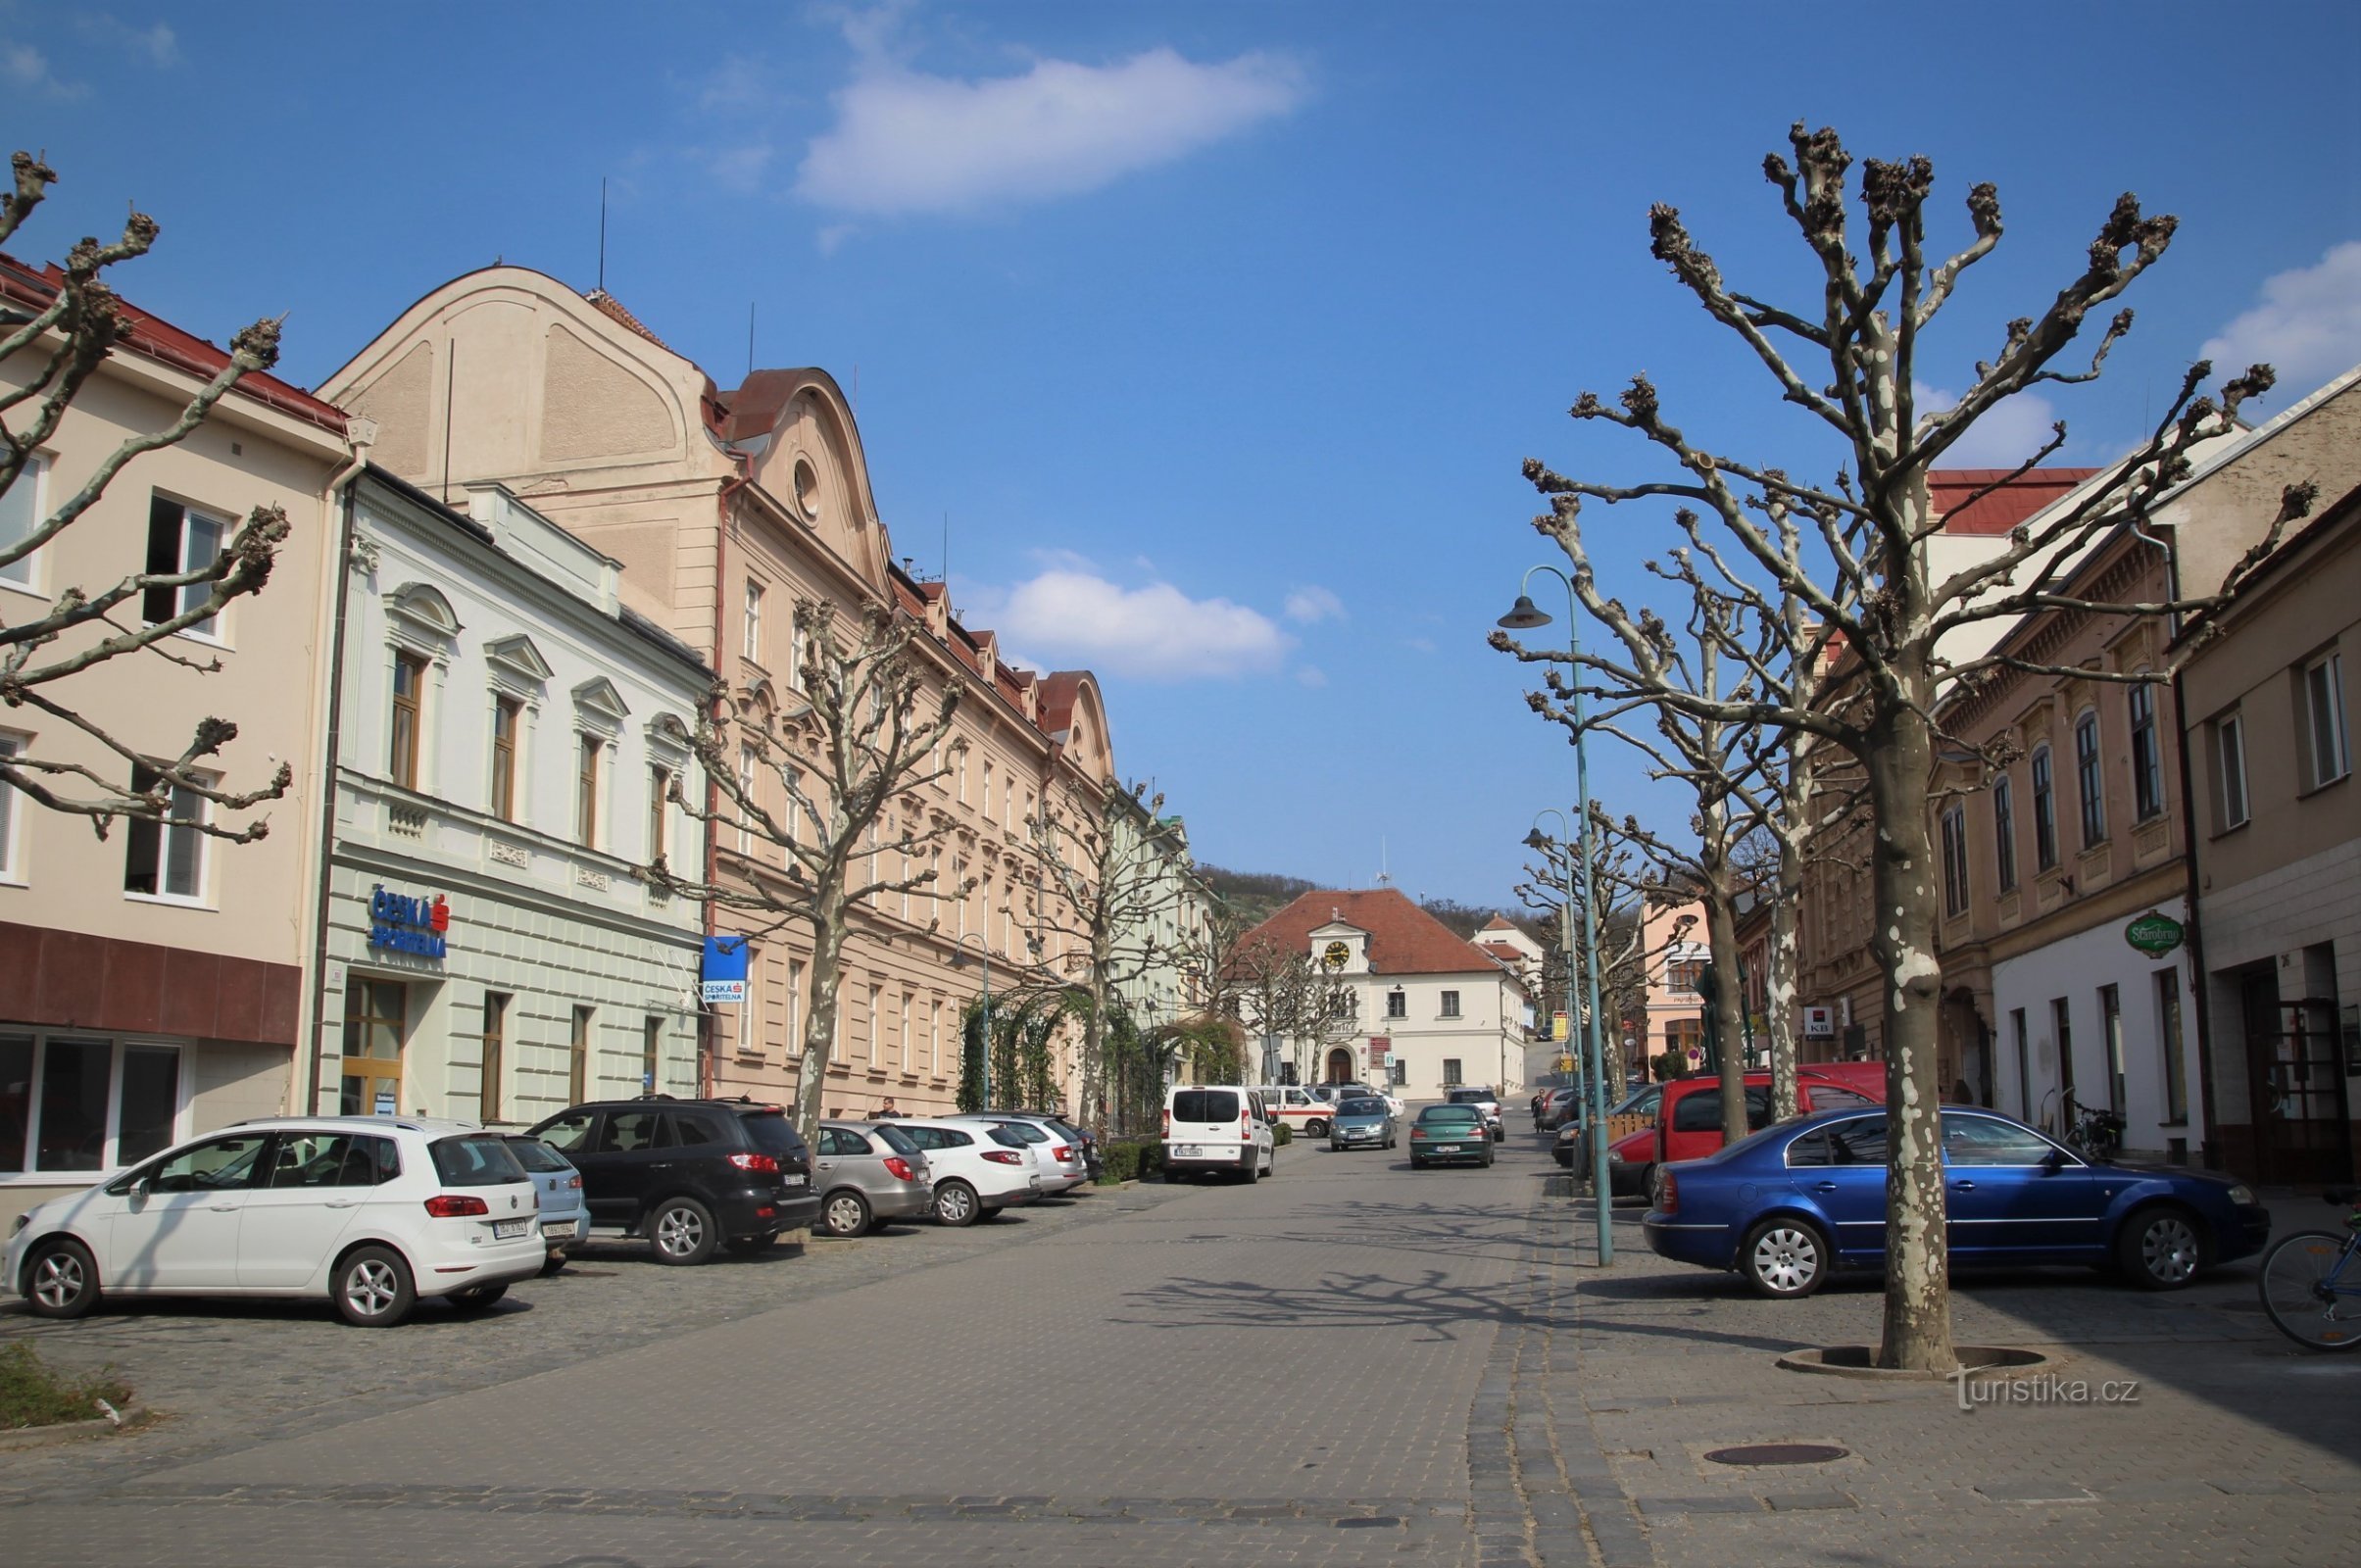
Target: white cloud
(1068,617)
(2307,329)
(907,142)
(1314,605)
(736,168)
(1312,675)
(2009,432)
(27,69)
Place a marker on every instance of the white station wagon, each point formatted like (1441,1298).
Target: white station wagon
(371,1212)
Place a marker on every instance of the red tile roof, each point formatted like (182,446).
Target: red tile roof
(2011,503)
(1404,939)
(153,337)
(608,306)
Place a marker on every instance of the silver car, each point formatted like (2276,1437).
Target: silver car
(867,1173)
(1364,1121)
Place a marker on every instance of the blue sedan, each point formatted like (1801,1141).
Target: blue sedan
(1795,1201)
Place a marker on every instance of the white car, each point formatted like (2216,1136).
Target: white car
(369,1213)
(1063,1167)
(979,1170)
(1219,1127)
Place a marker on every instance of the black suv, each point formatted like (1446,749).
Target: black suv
(688,1174)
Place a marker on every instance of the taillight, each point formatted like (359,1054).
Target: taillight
(1168,1123)
(455,1205)
(1003,1156)
(1418,1132)
(761,1164)
(899,1168)
(1246,1127)
(1060,1153)
(575,1183)
(1668,1192)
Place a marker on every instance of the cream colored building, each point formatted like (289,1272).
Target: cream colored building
(722,509)
(152,982)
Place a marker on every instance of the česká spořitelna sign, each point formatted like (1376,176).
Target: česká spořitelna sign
(405,924)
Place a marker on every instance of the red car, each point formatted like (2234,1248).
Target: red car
(1689,1119)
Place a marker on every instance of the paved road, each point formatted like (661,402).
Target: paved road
(1353,1364)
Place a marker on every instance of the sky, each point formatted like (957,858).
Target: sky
(1203,344)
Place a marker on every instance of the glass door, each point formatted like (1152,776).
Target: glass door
(377,1016)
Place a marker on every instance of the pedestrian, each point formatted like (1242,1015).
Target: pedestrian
(886,1112)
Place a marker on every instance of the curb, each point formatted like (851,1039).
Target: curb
(67,1431)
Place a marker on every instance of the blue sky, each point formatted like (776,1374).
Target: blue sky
(1218,332)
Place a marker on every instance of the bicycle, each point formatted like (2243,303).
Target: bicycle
(2311,1284)
(2091,1131)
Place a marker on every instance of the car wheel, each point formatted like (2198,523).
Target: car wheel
(2162,1249)
(1784,1257)
(1316,1128)
(61,1279)
(476,1298)
(682,1231)
(551,1264)
(751,1246)
(374,1288)
(1335,1148)
(955,1204)
(845,1213)
(1416,1163)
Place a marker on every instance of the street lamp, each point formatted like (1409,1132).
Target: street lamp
(959,961)
(1523,615)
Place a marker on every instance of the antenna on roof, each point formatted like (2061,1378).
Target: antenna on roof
(1384,879)
(750,337)
(602,233)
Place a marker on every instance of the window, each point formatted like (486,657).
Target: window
(753,644)
(660,789)
(1702,1112)
(2230,772)
(1685,976)
(2004,832)
(495,1052)
(180,540)
(651,1046)
(409,691)
(987,792)
(795,654)
(1985,1141)
(878,1026)
(1955,860)
(9,745)
(2061,1024)
(958,757)
(2110,1023)
(2326,752)
(746,797)
(165,860)
(795,991)
(508,714)
(2148,760)
(2044,812)
(2016,1028)
(20,515)
(577,1058)
(586,793)
(333,1159)
(1397,1005)
(71,1103)
(216,1165)
(901,1045)
(1450,1072)
(2168,1035)
(376,1018)
(2090,781)
(1450,1003)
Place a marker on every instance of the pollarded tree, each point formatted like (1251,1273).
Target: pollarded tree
(868,730)
(1851,361)
(54,335)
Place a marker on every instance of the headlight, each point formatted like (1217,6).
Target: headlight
(22,1221)
(1615,1155)
(2241,1195)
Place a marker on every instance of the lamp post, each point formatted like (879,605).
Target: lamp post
(959,960)
(1523,615)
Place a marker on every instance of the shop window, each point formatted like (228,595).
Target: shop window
(74,1103)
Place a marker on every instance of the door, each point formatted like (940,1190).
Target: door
(635,1152)
(1696,1122)
(376,1020)
(575,1135)
(180,1233)
(1842,1169)
(318,1184)
(1340,1065)
(2013,1196)
(2301,1132)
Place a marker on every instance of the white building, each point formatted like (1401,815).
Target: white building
(505,736)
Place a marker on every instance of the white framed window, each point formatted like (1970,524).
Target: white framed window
(1451,1078)
(2044,812)
(21,513)
(1450,1003)
(12,869)
(746,795)
(987,792)
(1955,860)
(406,719)
(2147,755)
(181,538)
(2230,771)
(85,1103)
(959,759)
(165,860)
(751,646)
(590,750)
(2328,750)
(902,1046)
(2089,780)
(795,656)
(794,1012)
(507,739)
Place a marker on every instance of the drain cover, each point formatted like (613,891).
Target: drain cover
(1780,1454)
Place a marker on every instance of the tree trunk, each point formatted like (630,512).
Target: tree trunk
(1721,940)
(1779,986)
(819,1024)
(1918,1302)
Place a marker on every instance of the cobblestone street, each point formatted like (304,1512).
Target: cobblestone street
(1353,1363)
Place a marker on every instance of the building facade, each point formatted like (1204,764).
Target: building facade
(508,735)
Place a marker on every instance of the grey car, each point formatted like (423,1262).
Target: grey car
(867,1173)
(1364,1121)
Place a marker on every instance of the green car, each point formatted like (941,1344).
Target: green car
(1449,1134)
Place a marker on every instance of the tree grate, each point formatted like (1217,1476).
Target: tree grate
(1763,1453)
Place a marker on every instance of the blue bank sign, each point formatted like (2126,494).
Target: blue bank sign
(722,977)
(401,924)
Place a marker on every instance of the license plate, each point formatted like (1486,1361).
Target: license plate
(795,1181)
(1189,1152)
(1447,1148)
(510,1226)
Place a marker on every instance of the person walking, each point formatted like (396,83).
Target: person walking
(886,1112)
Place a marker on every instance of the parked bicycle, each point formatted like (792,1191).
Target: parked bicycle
(2311,1284)
(2092,1131)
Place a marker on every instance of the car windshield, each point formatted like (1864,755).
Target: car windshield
(773,1133)
(1463,1114)
(537,1156)
(1364,1107)
(476,1159)
(1204,1104)
(895,1138)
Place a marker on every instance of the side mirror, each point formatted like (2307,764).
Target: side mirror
(139,1190)
(2053,1162)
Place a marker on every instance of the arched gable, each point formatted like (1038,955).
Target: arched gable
(1074,716)
(797,429)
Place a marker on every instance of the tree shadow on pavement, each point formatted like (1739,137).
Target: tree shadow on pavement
(1431,1301)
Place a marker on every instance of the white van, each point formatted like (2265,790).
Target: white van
(1299,1106)
(1219,1127)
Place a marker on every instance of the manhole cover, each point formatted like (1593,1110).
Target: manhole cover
(1757,1454)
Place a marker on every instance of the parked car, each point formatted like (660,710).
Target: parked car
(1221,1128)
(1450,1135)
(1365,1122)
(1557,1108)
(689,1175)
(564,1216)
(978,1169)
(867,1173)
(1789,1205)
(1063,1167)
(1692,1108)
(368,1212)
(1485,1101)
(1305,1110)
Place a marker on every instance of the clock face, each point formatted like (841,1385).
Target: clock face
(1335,954)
